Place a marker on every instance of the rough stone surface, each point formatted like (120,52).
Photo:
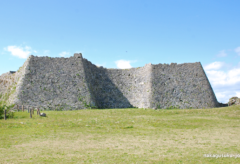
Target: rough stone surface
(11,84)
(76,83)
(181,86)
(234,101)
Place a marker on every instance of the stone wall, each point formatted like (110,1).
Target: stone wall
(55,83)
(76,83)
(181,86)
(119,88)
(11,84)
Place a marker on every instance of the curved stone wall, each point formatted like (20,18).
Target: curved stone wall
(119,88)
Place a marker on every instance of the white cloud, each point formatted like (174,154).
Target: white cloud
(123,64)
(21,52)
(217,77)
(64,54)
(214,66)
(224,96)
(230,77)
(222,53)
(103,65)
(237,94)
(220,95)
(237,50)
(226,84)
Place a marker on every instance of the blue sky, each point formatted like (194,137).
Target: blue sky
(127,33)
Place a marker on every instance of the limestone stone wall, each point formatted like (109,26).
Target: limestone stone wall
(182,86)
(55,83)
(119,88)
(11,84)
(76,83)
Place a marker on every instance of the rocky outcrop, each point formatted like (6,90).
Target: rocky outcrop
(234,101)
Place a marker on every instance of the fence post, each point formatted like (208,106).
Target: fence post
(38,113)
(28,109)
(5,114)
(30,113)
(22,108)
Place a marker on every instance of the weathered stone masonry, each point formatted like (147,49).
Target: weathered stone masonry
(76,83)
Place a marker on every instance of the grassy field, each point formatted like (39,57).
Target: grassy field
(122,136)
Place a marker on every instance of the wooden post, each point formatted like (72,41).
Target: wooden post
(28,109)
(22,108)
(38,111)
(5,114)
(30,113)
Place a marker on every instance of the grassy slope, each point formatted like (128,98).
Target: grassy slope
(122,136)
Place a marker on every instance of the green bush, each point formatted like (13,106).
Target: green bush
(10,113)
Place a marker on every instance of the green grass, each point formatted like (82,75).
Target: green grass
(122,136)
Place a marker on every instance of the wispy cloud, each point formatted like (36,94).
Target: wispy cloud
(222,53)
(214,66)
(64,54)
(123,64)
(226,84)
(237,50)
(18,51)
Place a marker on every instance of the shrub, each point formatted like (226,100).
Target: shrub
(10,113)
